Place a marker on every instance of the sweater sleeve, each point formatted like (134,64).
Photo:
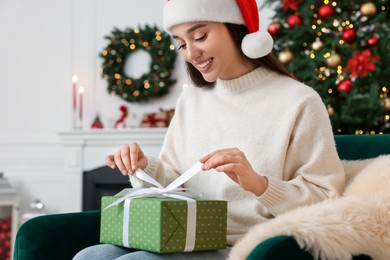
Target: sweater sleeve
(312,169)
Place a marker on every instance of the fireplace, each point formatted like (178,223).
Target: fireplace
(84,153)
(102,181)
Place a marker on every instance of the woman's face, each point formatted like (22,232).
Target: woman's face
(209,47)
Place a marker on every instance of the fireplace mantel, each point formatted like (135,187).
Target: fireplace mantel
(86,150)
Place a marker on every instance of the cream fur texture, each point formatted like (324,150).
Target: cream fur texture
(356,223)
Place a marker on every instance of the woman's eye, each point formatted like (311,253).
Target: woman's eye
(183,46)
(201,38)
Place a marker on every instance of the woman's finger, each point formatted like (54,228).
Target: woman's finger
(125,156)
(119,163)
(110,161)
(134,156)
(221,158)
(207,157)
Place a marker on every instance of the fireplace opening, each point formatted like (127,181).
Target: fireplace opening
(102,181)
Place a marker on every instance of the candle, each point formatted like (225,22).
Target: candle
(81,93)
(74,86)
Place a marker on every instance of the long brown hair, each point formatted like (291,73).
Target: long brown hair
(237,32)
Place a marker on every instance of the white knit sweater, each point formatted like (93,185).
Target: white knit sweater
(282,127)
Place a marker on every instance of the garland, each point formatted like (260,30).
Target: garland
(122,44)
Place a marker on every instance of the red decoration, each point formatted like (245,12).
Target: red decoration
(325,11)
(293,20)
(361,63)
(154,120)
(274,28)
(74,87)
(5,238)
(81,93)
(345,85)
(373,41)
(291,4)
(349,35)
(121,119)
(97,124)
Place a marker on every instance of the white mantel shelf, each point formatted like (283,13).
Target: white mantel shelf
(103,136)
(86,150)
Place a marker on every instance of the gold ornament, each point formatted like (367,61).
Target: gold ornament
(330,110)
(387,103)
(368,9)
(317,44)
(333,60)
(285,56)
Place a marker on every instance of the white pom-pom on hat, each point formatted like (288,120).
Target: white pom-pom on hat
(256,44)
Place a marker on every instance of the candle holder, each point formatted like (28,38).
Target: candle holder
(74,123)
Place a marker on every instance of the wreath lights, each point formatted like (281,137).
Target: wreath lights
(122,44)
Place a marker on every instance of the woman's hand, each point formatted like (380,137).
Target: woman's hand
(234,164)
(128,159)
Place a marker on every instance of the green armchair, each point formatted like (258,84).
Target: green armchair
(61,236)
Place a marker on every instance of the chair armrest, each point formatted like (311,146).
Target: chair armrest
(57,236)
(279,248)
(285,247)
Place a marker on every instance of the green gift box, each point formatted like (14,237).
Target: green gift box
(160,224)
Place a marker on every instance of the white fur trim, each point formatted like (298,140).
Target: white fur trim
(256,45)
(183,11)
(357,223)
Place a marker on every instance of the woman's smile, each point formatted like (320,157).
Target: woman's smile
(204,66)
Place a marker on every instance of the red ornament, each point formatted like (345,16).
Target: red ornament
(349,35)
(274,28)
(345,85)
(293,20)
(291,4)
(97,124)
(5,238)
(325,11)
(372,41)
(361,63)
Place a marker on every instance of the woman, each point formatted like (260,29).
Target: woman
(264,139)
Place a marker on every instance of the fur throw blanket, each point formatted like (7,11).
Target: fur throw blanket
(356,223)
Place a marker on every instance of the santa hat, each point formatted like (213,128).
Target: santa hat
(256,44)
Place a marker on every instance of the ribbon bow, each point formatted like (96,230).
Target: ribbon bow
(171,191)
(158,190)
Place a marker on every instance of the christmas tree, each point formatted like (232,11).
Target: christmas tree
(342,50)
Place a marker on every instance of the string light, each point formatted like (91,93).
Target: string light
(336,41)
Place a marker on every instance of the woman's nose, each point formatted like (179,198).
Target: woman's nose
(192,52)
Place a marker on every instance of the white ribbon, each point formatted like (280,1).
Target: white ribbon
(171,191)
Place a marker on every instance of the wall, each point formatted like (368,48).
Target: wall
(44,43)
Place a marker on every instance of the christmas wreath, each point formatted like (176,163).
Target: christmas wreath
(122,44)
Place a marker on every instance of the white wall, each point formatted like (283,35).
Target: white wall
(43,44)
